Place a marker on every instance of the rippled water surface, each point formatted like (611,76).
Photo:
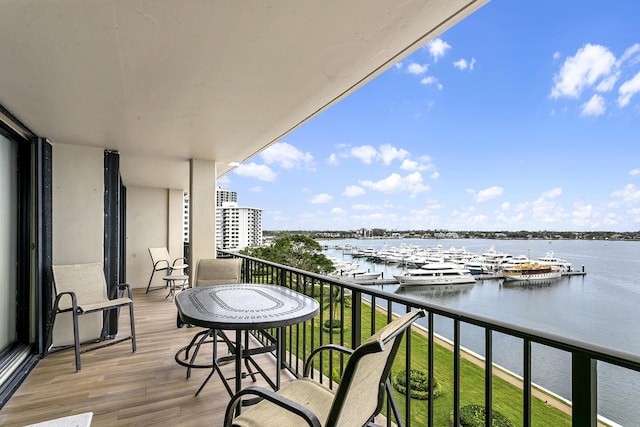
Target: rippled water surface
(601,307)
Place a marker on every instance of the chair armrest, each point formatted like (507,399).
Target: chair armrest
(183,259)
(156,268)
(125,286)
(74,301)
(294,407)
(308,364)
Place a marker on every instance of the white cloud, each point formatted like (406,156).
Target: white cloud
(505,206)
(412,165)
(634,172)
(363,207)
(224,181)
(487,193)
(395,184)
(256,189)
(593,107)
(581,213)
(321,198)
(338,211)
(438,48)
(590,64)
(628,55)
(262,172)
(366,153)
(552,194)
(398,65)
(388,153)
(286,156)
(417,69)
(333,159)
(353,191)
(628,89)
(629,194)
(430,80)
(462,64)
(556,55)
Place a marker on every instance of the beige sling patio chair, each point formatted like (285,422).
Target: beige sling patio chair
(81,290)
(162,262)
(357,400)
(216,271)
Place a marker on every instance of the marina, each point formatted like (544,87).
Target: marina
(595,302)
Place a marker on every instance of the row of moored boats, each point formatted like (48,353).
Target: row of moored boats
(437,266)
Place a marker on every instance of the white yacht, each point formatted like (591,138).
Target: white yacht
(558,264)
(530,272)
(443,273)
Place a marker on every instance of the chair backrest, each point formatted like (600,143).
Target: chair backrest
(218,271)
(360,394)
(160,254)
(86,280)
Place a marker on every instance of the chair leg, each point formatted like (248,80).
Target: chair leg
(48,338)
(150,279)
(76,338)
(133,329)
(204,337)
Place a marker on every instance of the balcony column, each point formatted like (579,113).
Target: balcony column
(202,211)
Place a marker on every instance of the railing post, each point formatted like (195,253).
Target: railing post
(488,380)
(356,318)
(584,386)
(456,372)
(526,384)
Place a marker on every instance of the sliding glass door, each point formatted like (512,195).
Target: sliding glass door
(8,243)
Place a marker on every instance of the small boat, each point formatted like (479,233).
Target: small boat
(478,265)
(530,272)
(556,263)
(440,273)
(360,275)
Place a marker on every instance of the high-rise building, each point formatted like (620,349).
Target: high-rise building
(237,227)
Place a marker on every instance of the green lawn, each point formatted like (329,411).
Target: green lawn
(507,398)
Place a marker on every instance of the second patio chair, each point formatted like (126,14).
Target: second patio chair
(216,271)
(357,400)
(162,262)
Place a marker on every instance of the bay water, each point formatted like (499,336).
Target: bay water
(601,307)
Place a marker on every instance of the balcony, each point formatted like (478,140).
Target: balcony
(148,387)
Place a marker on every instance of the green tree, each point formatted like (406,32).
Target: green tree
(296,251)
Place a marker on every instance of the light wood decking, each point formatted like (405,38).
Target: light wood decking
(124,388)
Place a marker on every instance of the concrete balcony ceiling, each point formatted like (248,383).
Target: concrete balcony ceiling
(166,81)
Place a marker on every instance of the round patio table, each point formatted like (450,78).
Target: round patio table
(244,307)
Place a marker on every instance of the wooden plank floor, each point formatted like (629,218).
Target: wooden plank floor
(124,388)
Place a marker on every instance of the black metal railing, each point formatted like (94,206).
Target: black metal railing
(362,308)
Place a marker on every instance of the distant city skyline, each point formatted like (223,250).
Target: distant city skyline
(524,116)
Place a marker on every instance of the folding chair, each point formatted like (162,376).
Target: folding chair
(357,400)
(81,290)
(162,262)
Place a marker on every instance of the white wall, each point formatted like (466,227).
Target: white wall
(78,204)
(154,220)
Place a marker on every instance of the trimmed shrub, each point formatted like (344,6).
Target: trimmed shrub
(474,416)
(332,326)
(418,384)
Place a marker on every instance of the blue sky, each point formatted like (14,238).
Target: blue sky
(524,116)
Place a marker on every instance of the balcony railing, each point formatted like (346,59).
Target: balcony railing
(363,310)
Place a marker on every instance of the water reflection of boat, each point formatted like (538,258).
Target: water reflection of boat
(433,291)
(528,284)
